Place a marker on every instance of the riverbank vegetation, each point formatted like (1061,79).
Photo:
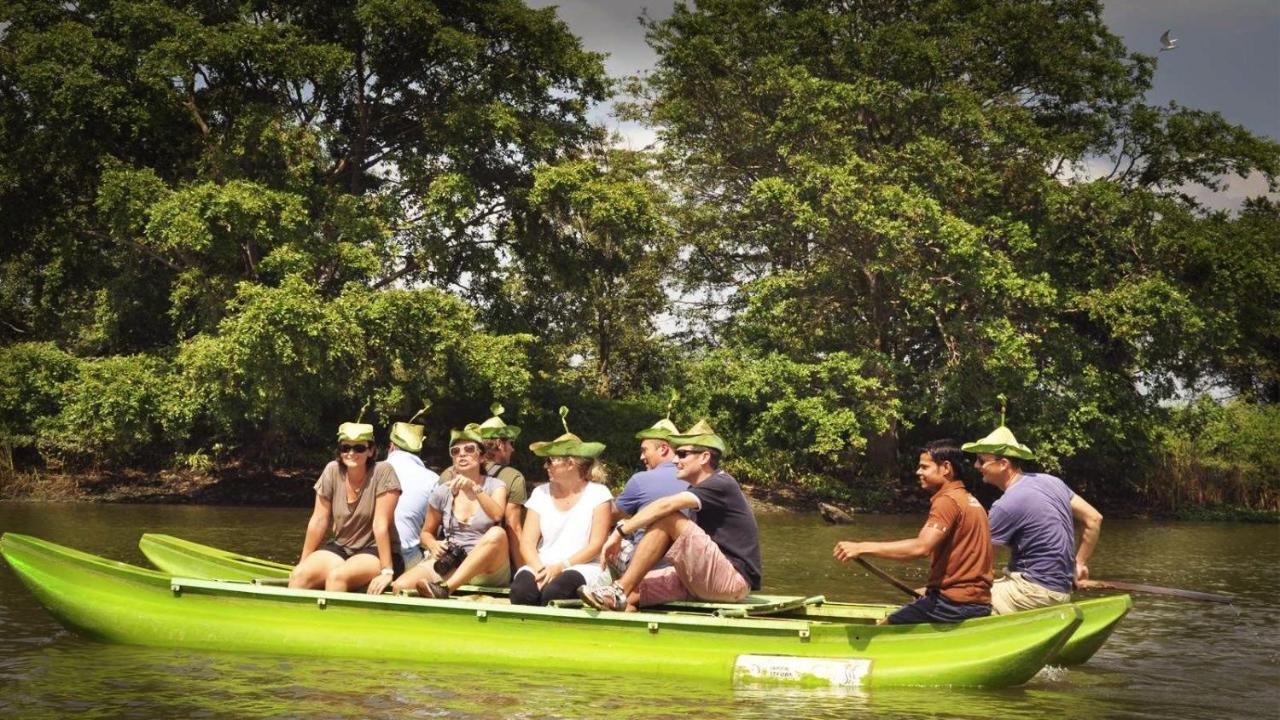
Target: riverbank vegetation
(228,227)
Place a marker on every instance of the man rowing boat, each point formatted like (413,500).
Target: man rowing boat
(955,536)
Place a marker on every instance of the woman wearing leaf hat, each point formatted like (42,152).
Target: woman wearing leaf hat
(355,500)
(467,510)
(567,522)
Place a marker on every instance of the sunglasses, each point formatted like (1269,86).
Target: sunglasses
(682,454)
(468,449)
(344,448)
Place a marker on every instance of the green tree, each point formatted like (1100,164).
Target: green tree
(891,181)
(155,154)
(597,286)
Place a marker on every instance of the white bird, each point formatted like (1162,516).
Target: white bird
(1166,42)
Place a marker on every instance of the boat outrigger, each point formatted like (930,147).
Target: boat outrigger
(190,559)
(117,602)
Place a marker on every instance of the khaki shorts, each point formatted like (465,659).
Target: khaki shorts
(1014,592)
(498,578)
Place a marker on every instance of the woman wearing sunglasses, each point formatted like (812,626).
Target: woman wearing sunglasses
(566,524)
(356,501)
(467,510)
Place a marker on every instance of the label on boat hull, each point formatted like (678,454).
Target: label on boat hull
(793,670)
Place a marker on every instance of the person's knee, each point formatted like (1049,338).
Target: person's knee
(524,590)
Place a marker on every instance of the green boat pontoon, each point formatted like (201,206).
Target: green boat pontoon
(117,602)
(189,559)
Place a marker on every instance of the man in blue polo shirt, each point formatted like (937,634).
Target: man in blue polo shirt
(1034,520)
(657,480)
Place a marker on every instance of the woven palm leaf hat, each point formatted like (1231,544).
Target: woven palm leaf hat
(495,429)
(568,444)
(701,434)
(664,428)
(1000,442)
(406,435)
(356,431)
(469,433)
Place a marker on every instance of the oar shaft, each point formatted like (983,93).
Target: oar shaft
(888,578)
(1152,589)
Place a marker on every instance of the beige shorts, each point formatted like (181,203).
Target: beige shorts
(498,578)
(1014,592)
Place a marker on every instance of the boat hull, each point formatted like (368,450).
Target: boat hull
(182,557)
(117,602)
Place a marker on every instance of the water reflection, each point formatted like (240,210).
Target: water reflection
(1169,658)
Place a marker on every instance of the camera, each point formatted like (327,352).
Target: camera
(450,559)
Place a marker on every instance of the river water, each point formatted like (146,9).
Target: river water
(1169,659)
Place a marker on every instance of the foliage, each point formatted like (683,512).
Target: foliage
(894,183)
(230,226)
(115,410)
(787,422)
(35,375)
(1219,454)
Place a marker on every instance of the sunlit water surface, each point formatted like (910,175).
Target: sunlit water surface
(1169,659)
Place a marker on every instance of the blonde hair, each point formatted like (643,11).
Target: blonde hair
(591,470)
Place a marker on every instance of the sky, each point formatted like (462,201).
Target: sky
(1227,58)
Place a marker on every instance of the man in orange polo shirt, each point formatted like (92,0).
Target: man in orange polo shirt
(955,535)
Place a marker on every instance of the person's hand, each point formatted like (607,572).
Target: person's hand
(465,486)
(846,551)
(1082,571)
(379,583)
(612,546)
(547,573)
(433,547)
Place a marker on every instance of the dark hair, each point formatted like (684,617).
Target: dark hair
(1015,463)
(714,460)
(948,451)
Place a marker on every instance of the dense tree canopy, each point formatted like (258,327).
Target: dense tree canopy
(892,181)
(229,224)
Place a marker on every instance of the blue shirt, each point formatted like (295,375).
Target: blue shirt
(646,486)
(1033,519)
(416,484)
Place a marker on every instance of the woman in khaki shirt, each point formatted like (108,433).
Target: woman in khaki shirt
(355,500)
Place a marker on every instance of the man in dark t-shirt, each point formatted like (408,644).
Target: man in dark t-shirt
(715,558)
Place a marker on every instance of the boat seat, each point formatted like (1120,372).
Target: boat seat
(772,608)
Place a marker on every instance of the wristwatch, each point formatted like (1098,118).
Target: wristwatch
(386,571)
(618,526)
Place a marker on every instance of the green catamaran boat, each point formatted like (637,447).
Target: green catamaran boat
(117,602)
(189,559)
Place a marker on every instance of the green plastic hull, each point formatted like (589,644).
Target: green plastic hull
(188,559)
(116,602)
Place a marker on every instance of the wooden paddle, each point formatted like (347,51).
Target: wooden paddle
(887,577)
(1153,589)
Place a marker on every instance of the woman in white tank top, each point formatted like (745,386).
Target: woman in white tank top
(567,522)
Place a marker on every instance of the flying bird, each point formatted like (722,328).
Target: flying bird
(1166,42)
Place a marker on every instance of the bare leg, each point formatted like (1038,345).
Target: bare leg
(425,570)
(655,543)
(356,572)
(310,573)
(487,556)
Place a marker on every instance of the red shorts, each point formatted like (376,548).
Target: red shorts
(698,570)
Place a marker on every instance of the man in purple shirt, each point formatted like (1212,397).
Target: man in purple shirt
(1033,518)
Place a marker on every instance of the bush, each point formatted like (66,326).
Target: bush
(787,421)
(1213,453)
(34,376)
(114,410)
